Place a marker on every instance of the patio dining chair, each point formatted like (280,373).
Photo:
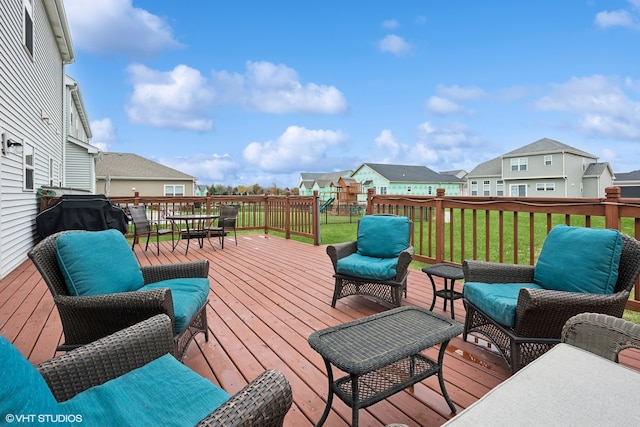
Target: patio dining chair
(522,309)
(99,288)
(143,227)
(226,223)
(376,264)
(130,378)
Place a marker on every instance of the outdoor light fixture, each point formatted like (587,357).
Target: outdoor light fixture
(8,143)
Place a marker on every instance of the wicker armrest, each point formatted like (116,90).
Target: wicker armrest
(543,313)
(494,272)
(108,358)
(403,262)
(601,334)
(263,402)
(158,273)
(341,250)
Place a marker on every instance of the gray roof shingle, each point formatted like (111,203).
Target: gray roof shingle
(132,166)
(546,145)
(407,173)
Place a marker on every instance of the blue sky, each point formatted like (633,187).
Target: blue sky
(245,92)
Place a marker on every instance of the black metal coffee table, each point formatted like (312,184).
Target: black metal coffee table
(381,354)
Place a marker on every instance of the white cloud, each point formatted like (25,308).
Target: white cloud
(117,27)
(206,167)
(103,133)
(390,24)
(394,44)
(461,93)
(440,105)
(621,17)
(275,88)
(296,149)
(603,106)
(387,142)
(177,99)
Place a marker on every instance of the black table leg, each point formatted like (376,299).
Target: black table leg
(443,347)
(327,408)
(433,284)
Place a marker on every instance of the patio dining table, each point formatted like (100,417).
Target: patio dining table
(195,227)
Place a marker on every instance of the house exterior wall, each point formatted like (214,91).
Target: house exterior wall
(31,88)
(148,188)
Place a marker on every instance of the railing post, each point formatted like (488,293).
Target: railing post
(370,193)
(315,219)
(611,212)
(439,225)
(287,215)
(266,213)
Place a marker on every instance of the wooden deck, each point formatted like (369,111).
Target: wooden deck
(267,295)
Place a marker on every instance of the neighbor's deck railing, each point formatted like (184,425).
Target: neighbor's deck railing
(503,229)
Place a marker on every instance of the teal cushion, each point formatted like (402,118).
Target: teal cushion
(368,267)
(496,300)
(189,295)
(98,262)
(23,391)
(383,236)
(579,259)
(162,392)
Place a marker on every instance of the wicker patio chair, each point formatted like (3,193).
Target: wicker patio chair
(601,334)
(88,318)
(74,376)
(143,227)
(388,237)
(541,313)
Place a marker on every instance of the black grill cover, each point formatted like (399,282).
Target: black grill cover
(81,212)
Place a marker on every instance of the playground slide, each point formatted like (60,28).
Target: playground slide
(327,204)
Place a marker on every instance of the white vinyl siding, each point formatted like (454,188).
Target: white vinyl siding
(78,168)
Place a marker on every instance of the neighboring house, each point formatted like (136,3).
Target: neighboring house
(35,46)
(544,168)
(200,190)
(124,174)
(629,183)
(405,180)
(325,183)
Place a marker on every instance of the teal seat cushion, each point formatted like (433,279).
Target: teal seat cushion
(162,392)
(23,391)
(579,259)
(189,295)
(368,267)
(383,236)
(496,300)
(98,262)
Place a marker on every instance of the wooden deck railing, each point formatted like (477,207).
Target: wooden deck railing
(503,229)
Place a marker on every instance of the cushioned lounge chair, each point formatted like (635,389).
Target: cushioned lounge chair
(377,263)
(522,309)
(99,288)
(129,378)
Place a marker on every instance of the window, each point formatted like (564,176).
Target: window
(383,190)
(409,188)
(518,190)
(474,188)
(519,164)
(548,160)
(27,38)
(174,190)
(500,188)
(430,190)
(548,186)
(486,188)
(28,165)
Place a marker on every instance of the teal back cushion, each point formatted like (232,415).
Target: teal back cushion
(383,236)
(98,262)
(163,392)
(23,391)
(579,259)
(189,295)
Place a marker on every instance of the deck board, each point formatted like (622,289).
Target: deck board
(267,295)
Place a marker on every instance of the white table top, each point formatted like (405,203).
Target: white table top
(566,386)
